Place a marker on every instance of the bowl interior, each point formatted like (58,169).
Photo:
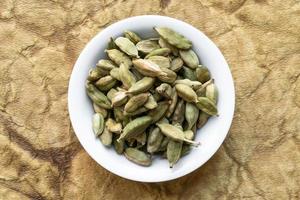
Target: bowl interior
(211,135)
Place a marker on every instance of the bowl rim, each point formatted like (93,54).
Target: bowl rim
(70,98)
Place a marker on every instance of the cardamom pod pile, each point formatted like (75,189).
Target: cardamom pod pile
(150,96)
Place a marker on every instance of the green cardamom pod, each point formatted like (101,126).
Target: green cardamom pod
(127,46)
(126,77)
(203,117)
(106,83)
(137,156)
(98,97)
(175,133)
(111,44)
(193,84)
(119,98)
(146,46)
(189,73)
(132,36)
(119,57)
(191,114)
(168,76)
(164,144)
(164,44)
(189,134)
(154,140)
(118,114)
(159,52)
(202,74)
(186,92)
(113,126)
(176,64)
(96,73)
(136,101)
(98,124)
(142,85)
(119,146)
(190,58)
(174,152)
(212,92)
(165,90)
(178,115)
(158,112)
(106,64)
(100,110)
(147,67)
(151,103)
(136,112)
(173,38)
(207,106)
(161,61)
(106,137)
(111,93)
(141,140)
(115,73)
(186,148)
(174,98)
(135,127)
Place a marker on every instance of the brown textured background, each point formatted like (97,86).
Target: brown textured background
(40,157)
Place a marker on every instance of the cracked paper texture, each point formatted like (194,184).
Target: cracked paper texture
(40,157)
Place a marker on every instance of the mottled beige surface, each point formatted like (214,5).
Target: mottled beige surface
(40,157)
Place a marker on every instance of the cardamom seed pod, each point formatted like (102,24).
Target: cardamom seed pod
(189,73)
(119,98)
(164,90)
(115,73)
(174,152)
(178,115)
(98,124)
(135,127)
(106,83)
(154,140)
(174,98)
(161,61)
(186,93)
(119,57)
(106,137)
(119,146)
(136,101)
(132,36)
(106,64)
(164,44)
(146,46)
(113,126)
(126,77)
(127,46)
(159,52)
(137,156)
(203,117)
(111,44)
(97,96)
(173,38)
(147,67)
(212,92)
(168,76)
(195,85)
(191,114)
(100,110)
(151,103)
(176,64)
(190,58)
(158,112)
(111,93)
(207,106)
(202,74)
(142,85)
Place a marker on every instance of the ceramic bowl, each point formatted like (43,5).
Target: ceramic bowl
(211,135)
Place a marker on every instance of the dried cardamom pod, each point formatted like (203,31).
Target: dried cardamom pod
(136,112)
(195,85)
(212,92)
(154,140)
(207,106)
(135,127)
(151,103)
(178,115)
(95,74)
(165,90)
(119,57)
(147,67)
(136,101)
(164,144)
(202,74)
(190,58)
(113,126)
(111,44)
(191,114)
(137,74)
(159,52)
(119,146)
(127,46)
(176,64)
(186,148)
(132,36)
(100,110)
(174,133)
(127,78)
(118,114)
(186,93)
(106,83)
(164,44)
(161,61)
(115,73)
(111,93)
(137,156)
(141,140)
(174,152)
(189,134)
(119,98)
(98,124)
(189,73)
(167,76)
(106,137)
(203,117)
(142,85)
(173,38)
(98,97)
(174,98)
(158,112)
(146,46)
(106,64)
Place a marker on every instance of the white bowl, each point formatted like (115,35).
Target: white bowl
(211,135)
